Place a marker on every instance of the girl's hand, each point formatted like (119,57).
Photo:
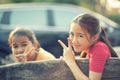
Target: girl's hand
(23,57)
(68,54)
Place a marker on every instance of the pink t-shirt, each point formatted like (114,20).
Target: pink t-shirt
(98,55)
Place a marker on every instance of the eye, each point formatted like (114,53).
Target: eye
(15,46)
(24,44)
(80,35)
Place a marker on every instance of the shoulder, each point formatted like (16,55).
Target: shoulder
(99,46)
(100,49)
(43,54)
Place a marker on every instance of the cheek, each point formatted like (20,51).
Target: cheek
(87,46)
(70,37)
(84,43)
(14,51)
(81,41)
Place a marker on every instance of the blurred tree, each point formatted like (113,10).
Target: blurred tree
(90,4)
(101,6)
(76,2)
(20,1)
(4,1)
(43,1)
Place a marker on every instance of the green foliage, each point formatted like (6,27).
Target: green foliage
(5,1)
(20,1)
(115,17)
(43,0)
(76,2)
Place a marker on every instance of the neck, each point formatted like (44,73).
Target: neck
(32,56)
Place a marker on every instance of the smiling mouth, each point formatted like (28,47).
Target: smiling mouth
(76,47)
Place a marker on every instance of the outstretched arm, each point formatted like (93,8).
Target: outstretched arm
(69,58)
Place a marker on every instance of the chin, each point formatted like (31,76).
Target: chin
(77,50)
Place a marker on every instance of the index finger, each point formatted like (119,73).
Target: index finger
(62,44)
(28,50)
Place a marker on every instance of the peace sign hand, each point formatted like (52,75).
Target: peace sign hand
(68,54)
(23,57)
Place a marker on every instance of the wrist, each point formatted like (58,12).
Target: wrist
(70,63)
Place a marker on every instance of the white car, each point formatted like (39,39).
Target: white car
(50,22)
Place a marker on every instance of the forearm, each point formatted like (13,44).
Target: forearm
(78,74)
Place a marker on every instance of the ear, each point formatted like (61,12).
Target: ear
(35,45)
(95,38)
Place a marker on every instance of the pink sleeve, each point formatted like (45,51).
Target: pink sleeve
(98,58)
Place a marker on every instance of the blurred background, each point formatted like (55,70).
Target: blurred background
(53,21)
(108,8)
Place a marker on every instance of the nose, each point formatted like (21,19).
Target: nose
(20,50)
(74,40)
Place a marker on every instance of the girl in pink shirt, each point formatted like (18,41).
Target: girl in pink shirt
(86,36)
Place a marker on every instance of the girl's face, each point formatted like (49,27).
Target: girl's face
(21,45)
(79,39)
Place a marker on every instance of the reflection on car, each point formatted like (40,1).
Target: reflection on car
(50,22)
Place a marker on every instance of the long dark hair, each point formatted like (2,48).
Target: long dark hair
(104,39)
(91,24)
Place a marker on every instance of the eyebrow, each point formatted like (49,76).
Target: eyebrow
(77,33)
(20,42)
(80,34)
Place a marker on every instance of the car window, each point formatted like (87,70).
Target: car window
(108,28)
(62,18)
(1,14)
(29,17)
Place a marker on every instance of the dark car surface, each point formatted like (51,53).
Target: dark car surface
(50,22)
